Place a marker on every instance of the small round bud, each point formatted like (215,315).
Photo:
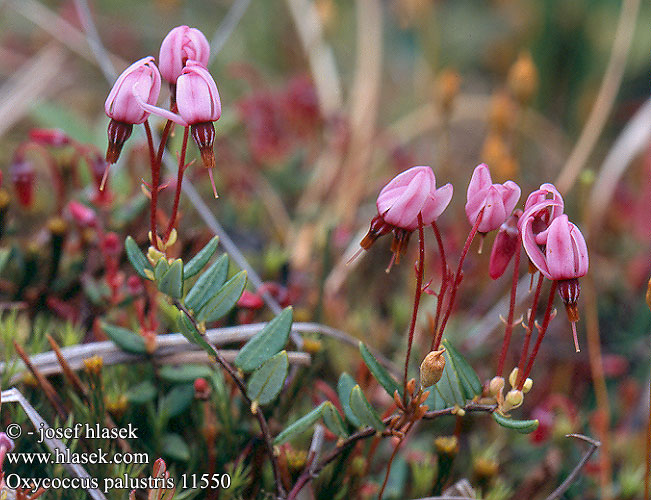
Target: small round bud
(496,386)
(528,384)
(513,377)
(513,399)
(201,389)
(431,369)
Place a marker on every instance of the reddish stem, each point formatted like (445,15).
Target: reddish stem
(457,278)
(529,329)
(155,179)
(418,293)
(509,322)
(541,334)
(179,181)
(444,283)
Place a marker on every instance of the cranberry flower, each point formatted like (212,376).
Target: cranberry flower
(411,193)
(182,44)
(497,200)
(140,81)
(504,246)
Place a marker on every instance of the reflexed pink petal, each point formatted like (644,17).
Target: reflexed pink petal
(121,103)
(197,97)
(437,203)
(559,254)
(510,196)
(531,247)
(480,180)
(180,45)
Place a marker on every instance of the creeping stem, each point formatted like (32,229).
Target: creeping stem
(417,294)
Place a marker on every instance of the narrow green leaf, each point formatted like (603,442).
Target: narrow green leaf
(449,387)
(171,283)
(434,401)
(299,426)
(468,377)
(363,409)
(208,284)
(267,381)
(162,266)
(177,400)
(224,300)
(381,374)
(142,393)
(4,258)
(192,334)
(175,447)
(344,388)
(184,374)
(264,344)
(201,259)
(332,419)
(136,258)
(522,426)
(125,339)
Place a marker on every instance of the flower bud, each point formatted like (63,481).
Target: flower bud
(201,389)
(23,175)
(496,386)
(179,46)
(431,369)
(49,137)
(513,399)
(528,384)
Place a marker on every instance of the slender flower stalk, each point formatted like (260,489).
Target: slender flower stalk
(179,181)
(458,276)
(445,280)
(417,295)
(532,321)
(508,330)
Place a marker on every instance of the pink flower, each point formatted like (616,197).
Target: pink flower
(544,204)
(179,46)
(566,253)
(504,246)
(411,193)
(497,200)
(81,214)
(140,81)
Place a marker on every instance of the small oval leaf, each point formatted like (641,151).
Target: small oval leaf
(363,409)
(142,393)
(449,387)
(162,266)
(201,259)
(467,376)
(267,381)
(136,258)
(299,426)
(125,339)
(177,400)
(224,300)
(171,282)
(184,374)
(192,334)
(267,342)
(522,426)
(344,388)
(381,374)
(175,447)
(208,284)
(332,419)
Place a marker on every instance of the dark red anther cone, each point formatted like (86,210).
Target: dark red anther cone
(118,133)
(23,175)
(204,135)
(378,228)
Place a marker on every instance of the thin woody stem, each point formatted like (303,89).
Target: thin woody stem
(541,334)
(458,277)
(417,295)
(444,283)
(508,331)
(529,328)
(262,421)
(179,182)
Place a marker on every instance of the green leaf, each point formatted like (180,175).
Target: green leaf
(224,300)
(264,344)
(162,266)
(449,387)
(299,426)
(171,283)
(175,447)
(332,419)
(125,339)
(184,374)
(142,393)
(363,409)
(136,258)
(379,372)
(4,257)
(201,259)
(522,426)
(177,400)
(467,376)
(186,327)
(434,401)
(208,284)
(344,388)
(267,381)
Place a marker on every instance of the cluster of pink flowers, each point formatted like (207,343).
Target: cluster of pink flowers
(195,101)
(554,245)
